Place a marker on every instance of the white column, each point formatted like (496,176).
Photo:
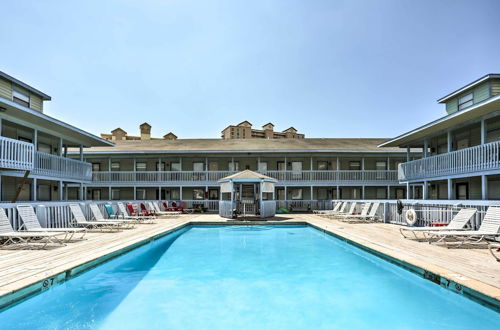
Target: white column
(0,126)
(60,146)
(483,131)
(80,192)
(109,193)
(258,163)
(81,153)
(312,197)
(362,192)
(60,190)
(425,190)
(408,157)
(449,140)
(450,189)
(34,189)
(311,165)
(35,139)
(484,187)
(426,148)
(388,192)
(286,193)
(338,192)
(135,188)
(180,193)
(338,163)
(407,190)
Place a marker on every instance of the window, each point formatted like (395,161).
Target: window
(296,194)
(381,193)
(44,147)
(381,166)
(24,139)
(465,101)
(21,98)
(175,194)
(115,194)
(43,192)
(234,166)
(160,166)
(96,167)
(115,166)
(213,194)
(262,166)
(280,194)
(198,166)
(198,194)
(322,166)
(354,166)
(140,194)
(96,194)
(175,166)
(462,190)
(140,166)
(213,166)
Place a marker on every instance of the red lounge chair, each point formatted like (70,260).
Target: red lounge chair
(147,212)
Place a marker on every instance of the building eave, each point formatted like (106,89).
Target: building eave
(26,86)
(483,108)
(468,86)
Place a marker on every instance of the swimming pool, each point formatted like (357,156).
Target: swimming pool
(248,277)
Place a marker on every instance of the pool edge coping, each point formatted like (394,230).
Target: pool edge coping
(435,274)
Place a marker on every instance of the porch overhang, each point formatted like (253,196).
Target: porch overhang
(414,138)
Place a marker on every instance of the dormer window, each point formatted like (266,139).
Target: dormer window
(465,101)
(21,98)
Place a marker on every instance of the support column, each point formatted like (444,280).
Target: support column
(388,192)
(180,193)
(312,191)
(484,187)
(109,193)
(338,192)
(81,153)
(483,131)
(60,151)
(449,141)
(35,139)
(362,192)
(286,193)
(425,190)
(408,190)
(426,149)
(135,188)
(311,165)
(60,190)
(408,156)
(80,192)
(338,164)
(450,189)
(34,189)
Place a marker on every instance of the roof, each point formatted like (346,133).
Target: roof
(247,175)
(24,85)
(469,86)
(245,121)
(291,129)
(442,124)
(57,127)
(145,125)
(118,130)
(246,145)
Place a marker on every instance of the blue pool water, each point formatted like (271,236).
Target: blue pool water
(252,277)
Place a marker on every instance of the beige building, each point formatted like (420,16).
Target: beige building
(244,130)
(119,134)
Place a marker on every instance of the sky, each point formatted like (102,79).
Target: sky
(333,68)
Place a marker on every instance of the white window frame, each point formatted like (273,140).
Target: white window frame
(137,166)
(465,101)
(21,96)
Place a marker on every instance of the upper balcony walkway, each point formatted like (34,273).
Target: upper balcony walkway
(18,156)
(478,160)
(153,178)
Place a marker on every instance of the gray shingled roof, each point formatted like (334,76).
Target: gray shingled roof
(245,145)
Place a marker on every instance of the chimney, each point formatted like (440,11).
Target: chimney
(268,130)
(145,131)
(170,136)
(118,134)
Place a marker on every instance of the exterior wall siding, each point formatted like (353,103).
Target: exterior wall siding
(5,89)
(495,87)
(36,102)
(481,93)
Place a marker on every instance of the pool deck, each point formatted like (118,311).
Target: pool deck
(23,272)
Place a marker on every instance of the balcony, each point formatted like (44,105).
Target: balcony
(62,168)
(16,155)
(473,160)
(211,177)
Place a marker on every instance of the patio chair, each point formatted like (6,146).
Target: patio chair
(32,224)
(12,236)
(496,248)
(459,221)
(368,216)
(364,212)
(351,210)
(340,210)
(146,211)
(335,208)
(489,228)
(133,212)
(97,216)
(160,212)
(80,221)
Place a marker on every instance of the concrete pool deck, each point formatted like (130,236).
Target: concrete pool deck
(24,272)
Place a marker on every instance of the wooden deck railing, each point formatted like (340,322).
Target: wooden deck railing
(214,176)
(485,157)
(61,167)
(15,154)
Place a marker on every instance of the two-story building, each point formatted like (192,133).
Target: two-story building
(307,170)
(33,147)
(460,151)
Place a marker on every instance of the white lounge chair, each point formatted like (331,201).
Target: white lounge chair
(157,210)
(80,221)
(122,213)
(351,210)
(31,224)
(341,210)
(490,227)
(15,236)
(363,213)
(459,221)
(335,208)
(97,216)
(370,216)
(496,247)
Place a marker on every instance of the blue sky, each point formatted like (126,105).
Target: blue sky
(329,68)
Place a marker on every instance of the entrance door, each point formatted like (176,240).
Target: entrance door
(297,170)
(462,190)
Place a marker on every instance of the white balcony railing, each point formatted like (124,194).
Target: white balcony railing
(485,157)
(214,176)
(61,167)
(15,154)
